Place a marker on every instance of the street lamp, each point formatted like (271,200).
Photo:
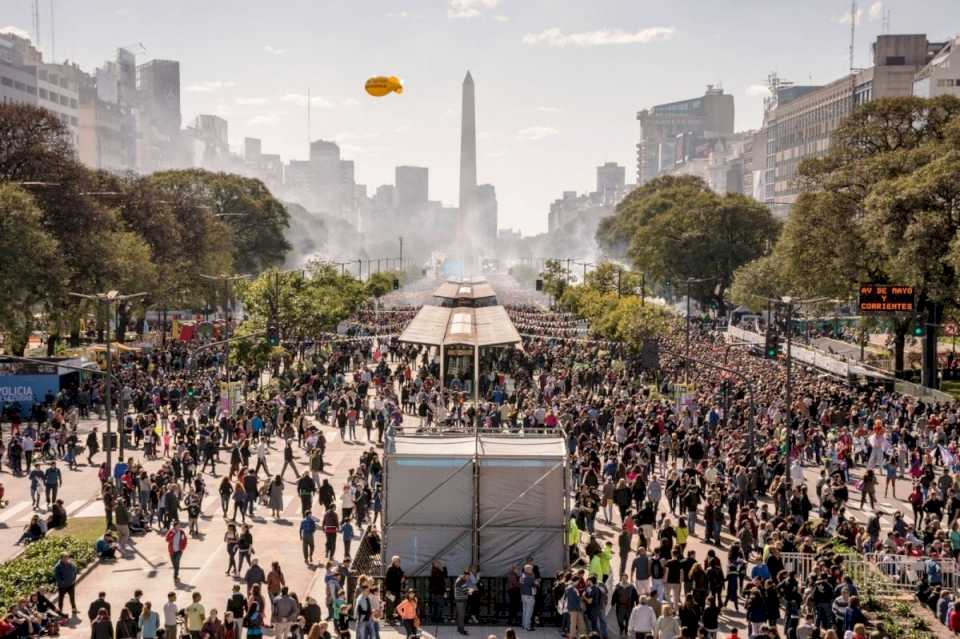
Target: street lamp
(107,299)
(689,282)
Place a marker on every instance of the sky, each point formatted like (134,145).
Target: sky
(558,82)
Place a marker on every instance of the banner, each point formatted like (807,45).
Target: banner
(27,390)
(231,396)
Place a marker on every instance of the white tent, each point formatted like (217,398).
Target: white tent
(487,500)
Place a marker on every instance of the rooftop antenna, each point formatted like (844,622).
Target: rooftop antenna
(36,23)
(309,134)
(53,39)
(853,30)
(886,20)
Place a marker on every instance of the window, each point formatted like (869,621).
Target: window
(73,120)
(43,93)
(895,60)
(73,103)
(7,82)
(43,75)
(53,79)
(64,100)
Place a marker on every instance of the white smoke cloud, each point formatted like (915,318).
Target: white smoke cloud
(273,50)
(876,11)
(210,86)
(554,37)
(17,31)
(758,91)
(845,18)
(469,8)
(252,101)
(301,100)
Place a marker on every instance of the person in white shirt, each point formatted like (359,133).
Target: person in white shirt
(170,616)
(642,620)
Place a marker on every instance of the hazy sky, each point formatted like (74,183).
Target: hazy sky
(559,82)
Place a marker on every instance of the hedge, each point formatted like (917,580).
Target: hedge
(33,569)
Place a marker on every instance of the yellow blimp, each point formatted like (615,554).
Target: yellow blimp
(382,85)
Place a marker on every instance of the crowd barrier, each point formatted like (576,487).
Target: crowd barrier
(882,572)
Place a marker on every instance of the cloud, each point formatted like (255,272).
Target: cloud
(252,101)
(301,100)
(269,118)
(273,50)
(876,11)
(350,102)
(209,86)
(469,8)
(845,18)
(758,91)
(534,133)
(17,31)
(398,14)
(554,37)
(548,109)
(502,18)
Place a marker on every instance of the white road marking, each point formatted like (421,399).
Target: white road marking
(14,509)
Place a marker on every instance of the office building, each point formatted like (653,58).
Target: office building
(158,85)
(706,117)
(798,121)
(412,188)
(611,178)
(941,76)
(18,80)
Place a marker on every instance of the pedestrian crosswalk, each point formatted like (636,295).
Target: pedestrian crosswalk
(21,512)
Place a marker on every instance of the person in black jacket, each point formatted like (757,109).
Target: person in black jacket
(438,590)
(96,605)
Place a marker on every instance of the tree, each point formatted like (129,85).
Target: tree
(555,278)
(28,261)
(609,277)
(254,218)
(678,229)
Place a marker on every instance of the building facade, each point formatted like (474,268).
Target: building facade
(941,76)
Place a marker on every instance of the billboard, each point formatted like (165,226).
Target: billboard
(886,298)
(27,390)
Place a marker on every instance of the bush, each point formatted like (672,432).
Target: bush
(33,569)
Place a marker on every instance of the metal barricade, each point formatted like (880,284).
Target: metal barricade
(883,572)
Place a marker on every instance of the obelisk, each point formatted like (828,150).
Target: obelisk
(468,177)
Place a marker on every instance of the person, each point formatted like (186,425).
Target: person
(346,530)
(331,525)
(231,626)
(33,531)
(194,616)
(65,575)
(363,612)
(176,544)
(98,604)
(461,591)
(100,627)
(308,527)
(667,626)
(52,481)
(276,497)
(170,616)
(134,605)
(574,605)
(127,627)
(393,585)
(254,576)
(528,592)
(253,622)
(641,622)
(407,610)
(237,603)
(148,622)
(285,612)
(625,598)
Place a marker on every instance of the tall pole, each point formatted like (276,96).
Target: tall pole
(687,336)
(106,398)
(401,252)
(788,436)
(619,273)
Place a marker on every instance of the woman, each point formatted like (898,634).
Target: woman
(275,581)
(244,548)
(101,628)
(225,491)
(689,617)
(667,626)
(230,539)
(256,598)
(407,610)
(126,627)
(149,622)
(239,501)
(212,628)
(868,489)
(32,531)
(276,497)
(711,618)
(231,627)
(253,621)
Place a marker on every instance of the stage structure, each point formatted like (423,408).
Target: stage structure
(486,500)
(465,319)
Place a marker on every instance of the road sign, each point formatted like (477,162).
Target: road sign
(886,298)
(950,329)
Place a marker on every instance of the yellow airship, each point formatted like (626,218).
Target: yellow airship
(382,85)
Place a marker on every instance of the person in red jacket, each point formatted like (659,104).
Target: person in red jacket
(176,544)
(953,619)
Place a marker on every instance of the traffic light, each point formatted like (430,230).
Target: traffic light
(918,328)
(396,284)
(273,335)
(539,284)
(771,345)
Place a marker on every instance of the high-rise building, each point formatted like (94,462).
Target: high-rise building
(252,150)
(611,178)
(941,76)
(798,121)
(413,184)
(158,84)
(706,117)
(487,214)
(209,140)
(326,178)
(18,78)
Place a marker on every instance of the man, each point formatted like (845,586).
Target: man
(346,530)
(331,525)
(261,458)
(170,616)
(642,620)
(307,529)
(306,488)
(176,544)
(254,575)
(641,572)
(195,615)
(237,603)
(96,605)
(65,575)
(571,596)
(134,605)
(625,598)
(438,590)
(528,594)
(122,519)
(595,597)
(461,591)
(52,481)
(288,459)
(285,611)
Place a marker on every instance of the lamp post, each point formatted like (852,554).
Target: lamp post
(690,281)
(227,280)
(107,299)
